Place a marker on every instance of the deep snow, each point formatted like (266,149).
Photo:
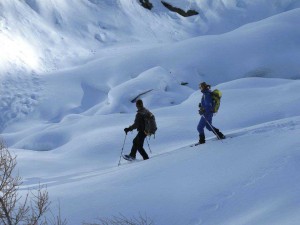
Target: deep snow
(66,91)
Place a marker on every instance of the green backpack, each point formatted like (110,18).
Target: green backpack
(216,98)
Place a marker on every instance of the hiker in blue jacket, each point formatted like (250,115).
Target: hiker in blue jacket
(206,111)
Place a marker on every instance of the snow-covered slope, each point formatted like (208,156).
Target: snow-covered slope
(66,124)
(41,35)
(252,176)
(269,48)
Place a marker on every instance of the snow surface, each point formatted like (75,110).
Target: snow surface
(70,69)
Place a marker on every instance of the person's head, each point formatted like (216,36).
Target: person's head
(139,104)
(204,86)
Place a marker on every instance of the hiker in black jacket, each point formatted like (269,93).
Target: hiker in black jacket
(139,124)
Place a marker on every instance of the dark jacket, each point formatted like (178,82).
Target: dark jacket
(139,122)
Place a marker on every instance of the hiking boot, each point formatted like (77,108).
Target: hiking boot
(219,133)
(222,136)
(145,156)
(201,139)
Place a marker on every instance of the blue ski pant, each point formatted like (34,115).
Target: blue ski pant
(202,123)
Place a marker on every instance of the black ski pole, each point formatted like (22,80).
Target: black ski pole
(148,145)
(122,149)
(212,128)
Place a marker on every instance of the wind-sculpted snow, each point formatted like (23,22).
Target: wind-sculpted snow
(156,87)
(51,35)
(269,48)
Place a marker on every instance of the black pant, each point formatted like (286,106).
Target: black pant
(138,145)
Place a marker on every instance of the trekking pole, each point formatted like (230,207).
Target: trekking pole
(212,128)
(148,145)
(122,149)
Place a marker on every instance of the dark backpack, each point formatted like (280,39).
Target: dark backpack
(150,123)
(216,98)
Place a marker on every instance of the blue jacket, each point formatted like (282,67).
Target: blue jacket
(207,102)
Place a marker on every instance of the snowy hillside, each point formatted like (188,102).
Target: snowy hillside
(41,35)
(70,70)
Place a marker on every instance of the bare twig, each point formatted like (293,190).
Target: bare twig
(13,211)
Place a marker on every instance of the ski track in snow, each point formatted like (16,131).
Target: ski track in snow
(250,182)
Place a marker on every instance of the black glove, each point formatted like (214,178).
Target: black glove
(201,111)
(200,105)
(127,130)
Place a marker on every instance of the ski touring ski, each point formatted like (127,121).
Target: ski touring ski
(128,158)
(213,139)
(195,144)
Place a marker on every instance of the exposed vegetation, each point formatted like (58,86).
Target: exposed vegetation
(15,209)
(180,11)
(146,4)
